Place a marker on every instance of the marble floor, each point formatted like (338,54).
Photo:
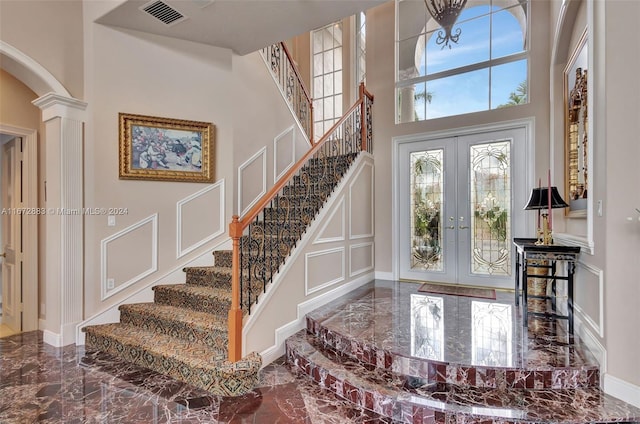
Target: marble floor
(40,383)
(389,327)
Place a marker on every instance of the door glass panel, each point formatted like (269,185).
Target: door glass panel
(492,334)
(427,195)
(427,327)
(490,204)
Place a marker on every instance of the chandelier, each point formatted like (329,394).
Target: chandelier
(446,12)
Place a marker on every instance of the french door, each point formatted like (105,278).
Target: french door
(461,200)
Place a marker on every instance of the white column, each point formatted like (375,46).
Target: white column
(407,107)
(64,124)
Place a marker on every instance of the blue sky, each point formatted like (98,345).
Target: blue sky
(470,92)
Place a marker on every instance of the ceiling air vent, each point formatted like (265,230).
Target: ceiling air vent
(163,12)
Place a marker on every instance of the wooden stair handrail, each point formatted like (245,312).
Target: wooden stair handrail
(237,225)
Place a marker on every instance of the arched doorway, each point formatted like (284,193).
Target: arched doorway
(62,120)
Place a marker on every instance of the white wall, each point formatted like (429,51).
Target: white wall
(607,288)
(26,25)
(144,74)
(621,196)
(263,127)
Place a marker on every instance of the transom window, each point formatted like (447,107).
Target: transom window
(486,69)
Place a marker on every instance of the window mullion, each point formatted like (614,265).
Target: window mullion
(463,69)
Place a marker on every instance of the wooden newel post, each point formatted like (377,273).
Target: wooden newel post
(235,313)
(363,128)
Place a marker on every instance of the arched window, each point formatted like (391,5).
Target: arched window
(486,69)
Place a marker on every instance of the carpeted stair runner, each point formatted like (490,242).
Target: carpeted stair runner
(184,333)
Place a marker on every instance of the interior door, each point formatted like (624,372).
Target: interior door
(11,233)
(460,203)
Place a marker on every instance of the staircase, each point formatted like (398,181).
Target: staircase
(190,329)
(184,332)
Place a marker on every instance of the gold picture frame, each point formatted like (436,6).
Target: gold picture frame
(576,120)
(165,149)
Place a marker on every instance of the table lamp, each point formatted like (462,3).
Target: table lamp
(543,201)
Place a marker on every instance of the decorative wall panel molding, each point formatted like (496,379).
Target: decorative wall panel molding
(599,325)
(336,219)
(361,203)
(260,168)
(317,276)
(360,254)
(104,255)
(284,151)
(208,199)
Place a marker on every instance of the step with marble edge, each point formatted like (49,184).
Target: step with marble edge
(198,298)
(186,324)
(411,400)
(545,364)
(192,363)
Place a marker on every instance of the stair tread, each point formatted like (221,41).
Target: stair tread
(509,404)
(223,294)
(194,354)
(176,313)
(210,269)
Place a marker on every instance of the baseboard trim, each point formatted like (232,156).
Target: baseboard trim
(51,338)
(282,333)
(622,390)
(591,341)
(379,275)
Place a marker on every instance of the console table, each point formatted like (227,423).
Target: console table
(528,254)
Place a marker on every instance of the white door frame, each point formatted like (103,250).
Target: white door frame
(30,225)
(527,123)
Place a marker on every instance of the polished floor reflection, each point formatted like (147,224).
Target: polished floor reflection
(40,383)
(411,357)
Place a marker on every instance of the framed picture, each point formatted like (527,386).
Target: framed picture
(164,149)
(576,120)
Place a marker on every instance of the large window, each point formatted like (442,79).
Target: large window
(486,69)
(361,32)
(327,77)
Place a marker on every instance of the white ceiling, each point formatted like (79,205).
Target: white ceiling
(243,26)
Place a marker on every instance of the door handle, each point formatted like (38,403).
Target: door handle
(451,227)
(3,255)
(463,227)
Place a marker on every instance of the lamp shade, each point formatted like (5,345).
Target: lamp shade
(540,199)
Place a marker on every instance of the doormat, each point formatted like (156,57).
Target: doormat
(458,291)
